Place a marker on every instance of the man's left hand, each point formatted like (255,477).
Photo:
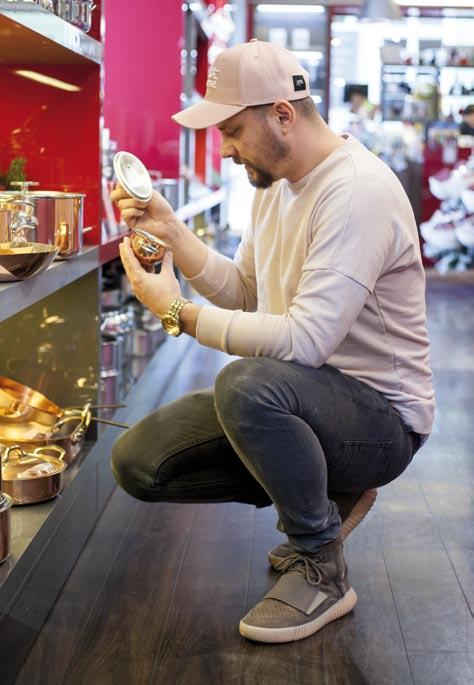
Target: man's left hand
(155,291)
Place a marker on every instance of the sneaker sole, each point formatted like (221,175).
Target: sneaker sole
(259,634)
(362,507)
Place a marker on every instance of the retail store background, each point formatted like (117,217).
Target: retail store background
(103,589)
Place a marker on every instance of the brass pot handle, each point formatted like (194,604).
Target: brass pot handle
(12,448)
(49,448)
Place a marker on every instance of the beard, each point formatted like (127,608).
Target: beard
(273,150)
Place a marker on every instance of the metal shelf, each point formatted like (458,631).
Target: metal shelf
(18,295)
(33,35)
(110,249)
(200,205)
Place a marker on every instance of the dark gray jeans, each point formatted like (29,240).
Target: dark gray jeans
(269,432)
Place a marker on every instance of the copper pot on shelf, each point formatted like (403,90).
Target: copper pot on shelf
(46,217)
(32,477)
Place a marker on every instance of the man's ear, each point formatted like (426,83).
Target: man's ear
(285,113)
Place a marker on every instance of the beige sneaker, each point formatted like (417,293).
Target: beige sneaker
(312,591)
(352,509)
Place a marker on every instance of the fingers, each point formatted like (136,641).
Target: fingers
(123,199)
(167,261)
(131,203)
(131,216)
(132,266)
(118,193)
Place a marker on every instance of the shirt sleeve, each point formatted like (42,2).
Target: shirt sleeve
(351,241)
(227,283)
(313,328)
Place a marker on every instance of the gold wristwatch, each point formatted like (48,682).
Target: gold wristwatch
(171,322)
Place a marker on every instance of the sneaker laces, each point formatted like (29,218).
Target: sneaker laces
(302,564)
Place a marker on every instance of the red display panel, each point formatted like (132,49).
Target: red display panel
(56,131)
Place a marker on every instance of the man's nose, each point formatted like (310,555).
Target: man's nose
(227,150)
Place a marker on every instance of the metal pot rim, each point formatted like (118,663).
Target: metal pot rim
(52,194)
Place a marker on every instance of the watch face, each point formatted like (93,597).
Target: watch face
(171,326)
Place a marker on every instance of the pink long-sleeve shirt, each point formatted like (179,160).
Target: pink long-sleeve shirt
(329,271)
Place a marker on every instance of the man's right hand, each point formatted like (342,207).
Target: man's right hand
(155,216)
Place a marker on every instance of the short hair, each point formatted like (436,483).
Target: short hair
(305,107)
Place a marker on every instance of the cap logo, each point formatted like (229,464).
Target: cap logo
(299,82)
(212,77)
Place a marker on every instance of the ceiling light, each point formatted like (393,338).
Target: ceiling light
(437,3)
(335,42)
(47,80)
(308,9)
(312,55)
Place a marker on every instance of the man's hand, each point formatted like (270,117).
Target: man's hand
(155,291)
(156,216)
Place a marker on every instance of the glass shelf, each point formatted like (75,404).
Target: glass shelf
(33,35)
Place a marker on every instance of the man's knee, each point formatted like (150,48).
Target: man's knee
(244,383)
(126,469)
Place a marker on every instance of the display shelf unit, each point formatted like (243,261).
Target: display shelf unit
(30,34)
(15,296)
(49,333)
(390,72)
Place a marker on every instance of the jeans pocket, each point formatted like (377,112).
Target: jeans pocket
(360,464)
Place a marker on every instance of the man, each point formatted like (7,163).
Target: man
(359,102)
(466,127)
(324,302)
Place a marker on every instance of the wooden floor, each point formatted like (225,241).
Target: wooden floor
(158,592)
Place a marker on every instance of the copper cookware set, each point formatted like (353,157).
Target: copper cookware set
(38,440)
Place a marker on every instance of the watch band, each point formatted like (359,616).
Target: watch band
(171,321)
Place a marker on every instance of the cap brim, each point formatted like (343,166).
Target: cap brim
(205,113)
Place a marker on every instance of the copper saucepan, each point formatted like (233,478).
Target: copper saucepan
(19,404)
(31,477)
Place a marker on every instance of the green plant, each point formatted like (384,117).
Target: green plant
(16,172)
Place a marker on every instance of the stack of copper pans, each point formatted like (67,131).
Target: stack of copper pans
(30,419)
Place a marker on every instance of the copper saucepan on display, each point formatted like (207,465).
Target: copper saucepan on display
(44,217)
(31,477)
(21,404)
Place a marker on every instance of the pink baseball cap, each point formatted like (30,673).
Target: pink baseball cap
(254,73)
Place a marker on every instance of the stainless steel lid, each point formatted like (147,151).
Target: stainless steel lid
(133,176)
(149,236)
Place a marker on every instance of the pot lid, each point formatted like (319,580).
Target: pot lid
(17,464)
(5,502)
(149,236)
(133,176)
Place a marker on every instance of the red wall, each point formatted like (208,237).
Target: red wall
(143,83)
(57,132)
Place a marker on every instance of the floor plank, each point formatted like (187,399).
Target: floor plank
(440,668)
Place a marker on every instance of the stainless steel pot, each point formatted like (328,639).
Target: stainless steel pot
(109,387)
(82,14)
(65,9)
(169,188)
(56,218)
(145,341)
(111,352)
